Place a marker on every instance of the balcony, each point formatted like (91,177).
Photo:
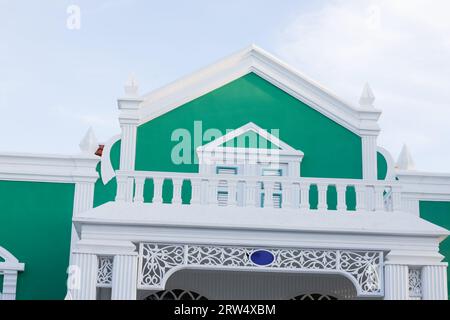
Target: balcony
(265,192)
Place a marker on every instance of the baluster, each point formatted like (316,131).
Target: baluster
(304,196)
(121,188)
(379,198)
(195,191)
(322,196)
(361,200)
(341,199)
(268,194)
(293,195)
(396,198)
(212,192)
(177,187)
(157,189)
(252,194)
(232,193)
(130,189)
(139,189)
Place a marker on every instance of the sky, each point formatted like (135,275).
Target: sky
(56,81)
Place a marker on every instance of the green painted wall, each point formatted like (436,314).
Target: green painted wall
(439,213)
(35,226)
(331,151)
(382,166)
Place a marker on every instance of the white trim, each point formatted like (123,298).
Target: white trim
(369,157)
(253,59)
(417,185)
(390,174)
(106,168)
(215,153)
(9,269)
(48,168)
(249,127)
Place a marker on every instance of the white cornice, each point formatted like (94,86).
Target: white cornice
(424,185)
(199,216)
(48,168)
(362,121)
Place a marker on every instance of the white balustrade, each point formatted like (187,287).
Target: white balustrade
(265,191)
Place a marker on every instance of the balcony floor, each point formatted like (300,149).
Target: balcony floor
(205,216)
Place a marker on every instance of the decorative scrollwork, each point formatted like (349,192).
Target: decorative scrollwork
(104,275)
(177,294)
(156,260)
(365,267)
(415,283)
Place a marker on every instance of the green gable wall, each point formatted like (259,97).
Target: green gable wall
(382,166)
(331,151)
(439,213)
(35,226)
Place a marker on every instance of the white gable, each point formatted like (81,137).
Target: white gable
(360,120)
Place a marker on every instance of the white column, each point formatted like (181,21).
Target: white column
(83,280)
(396,282)
(129,121)
(9,285)
(128,146)
(434,282)
(84,197)
(369,157)
(83,201)
(124,280)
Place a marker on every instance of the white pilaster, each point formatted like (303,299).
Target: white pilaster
(129,121)
(84,197)
(9,285)
(396,282)
(124,277)
(434,282)
(128,146)
(369,157)
(83,281)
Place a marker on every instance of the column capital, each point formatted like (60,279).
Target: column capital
(106,247)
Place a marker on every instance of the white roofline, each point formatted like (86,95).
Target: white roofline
(253,59)
(48,168)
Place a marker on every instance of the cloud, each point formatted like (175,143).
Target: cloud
(402,48)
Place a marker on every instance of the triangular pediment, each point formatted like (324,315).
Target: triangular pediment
(358,119)
(248,137)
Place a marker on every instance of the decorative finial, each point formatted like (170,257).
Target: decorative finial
(405,160)
(89,144)
(132,86)
(367,97)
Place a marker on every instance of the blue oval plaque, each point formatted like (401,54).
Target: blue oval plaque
(262,257)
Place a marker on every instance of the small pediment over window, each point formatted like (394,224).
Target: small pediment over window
(248,145)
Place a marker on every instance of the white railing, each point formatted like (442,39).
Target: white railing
(264,191)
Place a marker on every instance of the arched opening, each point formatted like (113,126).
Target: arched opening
(254,285)
(314,297)
(176,294)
